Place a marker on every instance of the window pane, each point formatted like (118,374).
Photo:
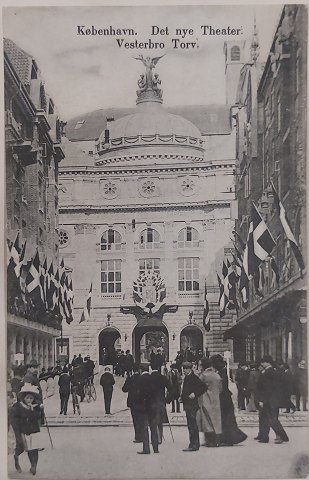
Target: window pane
(195,274)
(104,288)
(196,286)
(110,276)
(118,265)
(195,262)
(103,277)
(189,234)
(189,274)
(180,262)
(188,286)
(118,287)
(181,275)
(104,265)
(118,276)
(111,288)
(181,286)
(188,262)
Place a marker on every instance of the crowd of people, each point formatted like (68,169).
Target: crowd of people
(291,383)
(201,387)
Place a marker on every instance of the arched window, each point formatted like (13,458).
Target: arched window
(235,54)
(111,240)
(149,239)
(188,237)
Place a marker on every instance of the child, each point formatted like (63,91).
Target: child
(25,420)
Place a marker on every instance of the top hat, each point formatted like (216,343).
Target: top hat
(33,363)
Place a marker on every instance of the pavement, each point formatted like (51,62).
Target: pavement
(96,453)
(93,413)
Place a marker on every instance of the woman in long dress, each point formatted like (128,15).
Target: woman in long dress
(231,434)
(208,416)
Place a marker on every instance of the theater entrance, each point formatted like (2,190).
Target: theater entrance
(109,344)
(146,338)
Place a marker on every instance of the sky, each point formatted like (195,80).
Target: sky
(86,72)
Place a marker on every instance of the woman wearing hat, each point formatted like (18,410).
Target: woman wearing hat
(25,420)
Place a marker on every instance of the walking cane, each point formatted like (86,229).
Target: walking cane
(171,430)
(45,420)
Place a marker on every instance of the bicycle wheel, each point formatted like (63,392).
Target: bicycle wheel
(88,393)
(93,392)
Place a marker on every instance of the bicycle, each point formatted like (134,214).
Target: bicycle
(90,391)
(75,399)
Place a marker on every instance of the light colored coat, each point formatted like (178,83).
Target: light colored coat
(210,401)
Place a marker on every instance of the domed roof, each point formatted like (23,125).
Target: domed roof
(152,119)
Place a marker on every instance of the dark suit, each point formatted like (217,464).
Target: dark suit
(192,384)
(64,383)
(161,384)
(269,392)
(147,411)
(131,386)
(107,381)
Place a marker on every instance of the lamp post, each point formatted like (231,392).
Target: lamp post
(191,320)
(108,322)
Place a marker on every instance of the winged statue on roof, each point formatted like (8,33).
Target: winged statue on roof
(149,63)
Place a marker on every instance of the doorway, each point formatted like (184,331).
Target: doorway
(109,344)
(146,338)
(191,338)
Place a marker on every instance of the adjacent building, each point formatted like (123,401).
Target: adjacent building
(33,153)
(271,147)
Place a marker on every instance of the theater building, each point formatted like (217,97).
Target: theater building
(145,217)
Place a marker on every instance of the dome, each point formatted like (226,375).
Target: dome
(152,119)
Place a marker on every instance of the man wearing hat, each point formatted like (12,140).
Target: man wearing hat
(174,379)
(25,420)
(269,395)
(192,388)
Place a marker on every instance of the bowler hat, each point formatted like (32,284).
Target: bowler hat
(33,363)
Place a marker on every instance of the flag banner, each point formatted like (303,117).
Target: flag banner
(86,312)
(287,229)
(240,240)
(33,283)
(232,282)
(225,282)
(206,316)
(263,242)
(50,288)
(221,301)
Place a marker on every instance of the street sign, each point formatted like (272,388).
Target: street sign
(227,354)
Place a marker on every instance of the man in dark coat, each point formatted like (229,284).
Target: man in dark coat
(79,360)
(131,386)
(162,386)
(269,392)
(241,380)
(288,387)
(16,381)
(179,361)
(64,383)
(128,363)
(156,361)
(107,381)
(174,378)
(192,388)
(146,409)
(121,363)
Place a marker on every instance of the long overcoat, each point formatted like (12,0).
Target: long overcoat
(208,416)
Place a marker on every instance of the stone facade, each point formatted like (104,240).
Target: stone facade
(272,147)
(155,193)
(33,152)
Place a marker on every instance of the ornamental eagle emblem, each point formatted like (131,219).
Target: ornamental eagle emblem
(149,292)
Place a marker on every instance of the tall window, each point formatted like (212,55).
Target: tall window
(111,240)
(235,54)
(188,274)
(149,265)
(149,239)
(188,237)
(110,276)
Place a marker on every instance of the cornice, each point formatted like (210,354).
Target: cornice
(145,169)
(145,207)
